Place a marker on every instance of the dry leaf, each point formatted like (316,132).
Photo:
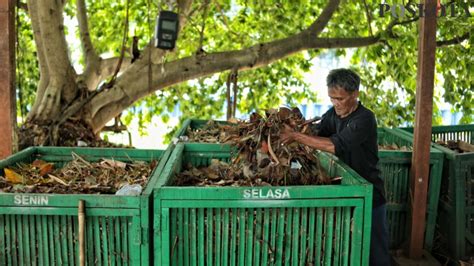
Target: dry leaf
(13,177)
(38,163)
(46,168)
(113,163)
(57,179)
(233,120)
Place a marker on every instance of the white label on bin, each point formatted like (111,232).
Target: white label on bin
(256,193)
(30,200)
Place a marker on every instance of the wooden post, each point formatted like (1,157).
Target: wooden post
(82,228)
(422,135)
(7,78)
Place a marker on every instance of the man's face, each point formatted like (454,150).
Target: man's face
(344,102)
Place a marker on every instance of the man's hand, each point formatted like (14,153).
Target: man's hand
(287,134)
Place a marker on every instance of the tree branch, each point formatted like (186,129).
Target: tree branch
(107,66)
(318,26)
(369,18)
(394,23)
(184,7)
(91,57)
(105,69)
(455,40)
(224,18)
(131,86)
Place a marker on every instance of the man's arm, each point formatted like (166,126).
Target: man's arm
(320,143)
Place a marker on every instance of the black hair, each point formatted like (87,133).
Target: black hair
(343,78)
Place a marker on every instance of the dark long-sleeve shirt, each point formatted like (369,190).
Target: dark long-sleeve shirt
(355,142)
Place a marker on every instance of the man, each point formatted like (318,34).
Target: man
(349,131)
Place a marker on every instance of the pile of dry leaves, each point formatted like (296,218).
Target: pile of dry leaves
(71,134)
(395,147)
(76,177)
(214,132)
(261,158)
(458,146)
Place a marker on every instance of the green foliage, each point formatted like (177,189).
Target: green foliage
(388,69)
(27,68)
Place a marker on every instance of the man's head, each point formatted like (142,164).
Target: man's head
(343,90)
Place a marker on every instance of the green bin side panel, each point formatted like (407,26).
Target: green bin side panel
(395,172)
(386,136)
(53,240)
(456,220)
(261,236)
(445,133)
(237,231)
(396,180)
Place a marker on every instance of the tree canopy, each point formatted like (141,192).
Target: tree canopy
(268,45)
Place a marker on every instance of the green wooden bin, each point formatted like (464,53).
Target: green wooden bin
(456,219)
(395,171)
(292,225)
(42,229)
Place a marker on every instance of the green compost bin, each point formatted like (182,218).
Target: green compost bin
(395,171)
(193,124)
(42,229)
(395,168)
(456,208)
(287,225)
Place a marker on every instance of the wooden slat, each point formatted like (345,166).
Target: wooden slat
(311,235)
(249,236)
(201,234)
(233,239)
(185,225)
(218,237)
(20,236)
(304,236)
(225,238)
(210,237)
(63,239)
(242,237)
(266,249)
(319,235)
(174,237)
(111,238)
(329,236)
(280,234)
(90,258)
(258,237)
(193,239)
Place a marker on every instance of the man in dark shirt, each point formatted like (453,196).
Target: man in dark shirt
(349,130)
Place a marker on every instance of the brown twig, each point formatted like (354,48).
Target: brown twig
(270,150)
